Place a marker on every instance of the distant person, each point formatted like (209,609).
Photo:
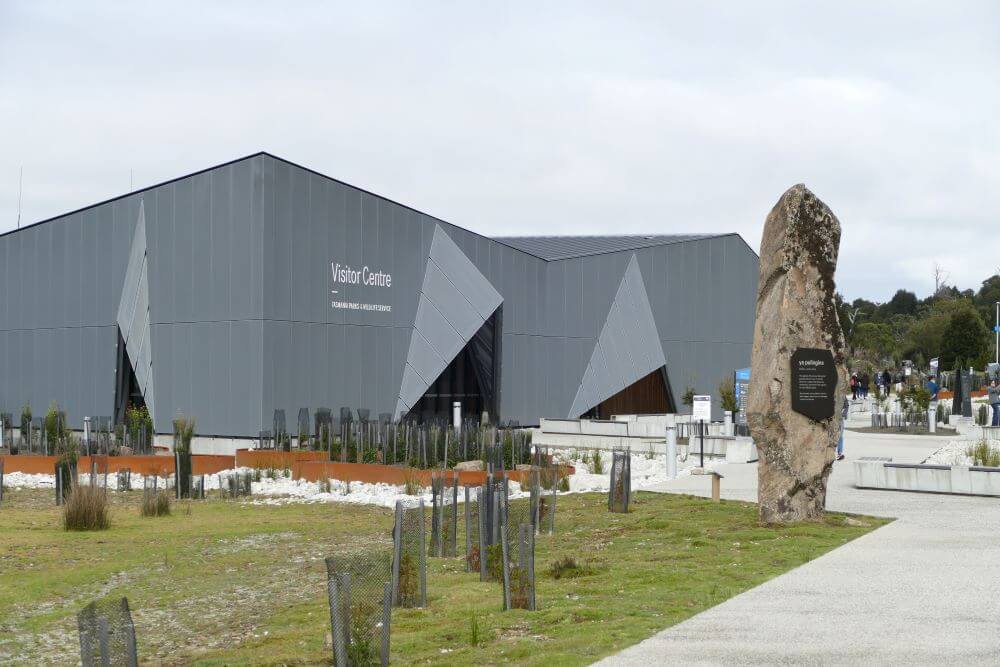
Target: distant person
(843,425)
(865,384)
(854,386)
(886,381)
(994,396)
(932,388)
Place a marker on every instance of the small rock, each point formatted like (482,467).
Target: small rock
(470,466)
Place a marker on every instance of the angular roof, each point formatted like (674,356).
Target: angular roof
(553,248)
(548,248)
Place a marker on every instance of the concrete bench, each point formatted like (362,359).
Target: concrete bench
(928,478)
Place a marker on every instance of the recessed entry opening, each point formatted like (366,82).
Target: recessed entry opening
(647,395)
(127,390)
(472,378)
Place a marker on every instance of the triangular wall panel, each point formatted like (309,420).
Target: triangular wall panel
(628,347)
(133,311)
(455,301)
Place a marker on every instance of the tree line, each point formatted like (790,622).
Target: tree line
(956,326)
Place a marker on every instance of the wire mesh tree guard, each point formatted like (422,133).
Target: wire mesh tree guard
(359,590)
(620,493)
(107,634)
(409,564)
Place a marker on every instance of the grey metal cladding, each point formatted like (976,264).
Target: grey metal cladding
(552,248)
(628,347)
(455,299)
(238,273)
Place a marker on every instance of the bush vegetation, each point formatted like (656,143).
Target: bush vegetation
(87,508)
(984,455)
(155,504)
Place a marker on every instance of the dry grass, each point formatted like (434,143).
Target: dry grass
(984,455)
(411,483)
(155,504)
(86,508)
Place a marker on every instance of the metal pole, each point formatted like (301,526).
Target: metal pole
(701,436)
(86,433)
(671,452)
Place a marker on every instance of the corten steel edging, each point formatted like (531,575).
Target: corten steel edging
(250,458)
(374,473)
(201,464)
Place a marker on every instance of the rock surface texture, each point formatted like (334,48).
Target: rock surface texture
(795,309)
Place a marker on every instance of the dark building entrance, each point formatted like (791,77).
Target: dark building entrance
(472,377)
(648,395)
(127,390)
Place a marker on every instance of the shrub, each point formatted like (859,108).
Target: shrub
(597,464)
(520,588)
(137,420)
(473,558)
(324,485)
(25,420)
(409,584)
(474,635)
(183,432)
(915,399)
(361,651)
(86,508)
(54,428)
(727,394)
(411,483)
(155,504)
(568,568)
(494,561)
(688,397)
(564,484)
(984,455)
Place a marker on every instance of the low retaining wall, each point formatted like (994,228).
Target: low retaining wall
(201,464)
(374,473)
(271,458)
(962,480)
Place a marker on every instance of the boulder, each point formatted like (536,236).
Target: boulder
(795,309)
(470,466)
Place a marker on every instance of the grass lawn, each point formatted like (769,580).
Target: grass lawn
(224,583)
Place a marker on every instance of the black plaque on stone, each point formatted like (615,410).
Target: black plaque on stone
(814,383)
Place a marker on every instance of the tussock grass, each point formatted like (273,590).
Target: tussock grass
(86,508)
(984,455)
(155,504)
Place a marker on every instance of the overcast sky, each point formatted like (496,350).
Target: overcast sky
(537,118)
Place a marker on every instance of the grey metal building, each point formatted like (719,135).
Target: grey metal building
(259,284)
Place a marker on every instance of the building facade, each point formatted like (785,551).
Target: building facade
(259,285)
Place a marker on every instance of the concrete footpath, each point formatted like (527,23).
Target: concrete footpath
(924,589)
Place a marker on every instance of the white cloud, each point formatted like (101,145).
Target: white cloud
(528,119)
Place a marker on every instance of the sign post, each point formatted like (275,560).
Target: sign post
(741,387)
(701,412)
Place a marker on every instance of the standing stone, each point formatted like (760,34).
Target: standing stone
(795,309)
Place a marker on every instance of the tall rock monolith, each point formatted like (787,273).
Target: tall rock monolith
(796,316)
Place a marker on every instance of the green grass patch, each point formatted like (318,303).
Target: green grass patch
(233,583)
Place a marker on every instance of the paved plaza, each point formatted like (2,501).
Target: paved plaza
(924,589)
